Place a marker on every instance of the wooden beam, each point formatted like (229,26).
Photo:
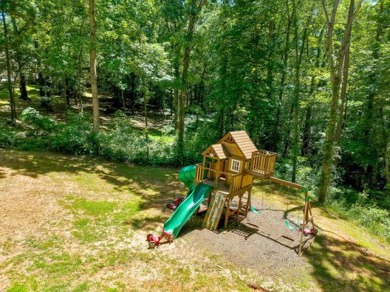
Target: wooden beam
(285,183)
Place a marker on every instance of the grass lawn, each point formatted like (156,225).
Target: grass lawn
(79,224)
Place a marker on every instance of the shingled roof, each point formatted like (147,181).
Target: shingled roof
(217,150)
(243,142)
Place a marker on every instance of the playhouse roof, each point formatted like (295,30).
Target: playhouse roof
(219,150)
(242,140)
(216,150)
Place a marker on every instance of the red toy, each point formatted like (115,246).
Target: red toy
(175,203)
(155,240)
(310,231)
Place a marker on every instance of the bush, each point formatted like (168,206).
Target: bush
(377,220)
(36,121)
(197,139)
(363,213)
(8,137)
(75,137)
(124,143)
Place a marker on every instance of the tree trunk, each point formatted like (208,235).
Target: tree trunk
(22,77)
(343,96)
(306,135)
(42,84)
(92,63)
(9,83)
(184,90)
(277,128)
(145,96)
(271,135)
(295,105)
(176,89)
(23,88)
(335,79)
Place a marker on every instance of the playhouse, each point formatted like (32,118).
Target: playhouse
(230,166)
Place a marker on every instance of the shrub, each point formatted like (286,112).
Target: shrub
(75,137)
(124,143)
(364,213)
(36,121)
(8,136)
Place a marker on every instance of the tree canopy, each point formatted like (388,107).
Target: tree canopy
(309,80)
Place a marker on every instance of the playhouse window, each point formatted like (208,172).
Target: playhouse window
(235,165)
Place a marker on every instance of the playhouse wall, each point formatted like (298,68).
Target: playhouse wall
(218,166)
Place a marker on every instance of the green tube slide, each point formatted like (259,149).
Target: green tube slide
(187,176)
(187,208)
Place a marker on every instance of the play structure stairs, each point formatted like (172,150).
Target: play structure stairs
(215,210)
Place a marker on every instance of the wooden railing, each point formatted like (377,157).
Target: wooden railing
(203,173)
(263,163)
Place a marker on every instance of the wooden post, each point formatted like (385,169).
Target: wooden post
(307,218)
(304,222)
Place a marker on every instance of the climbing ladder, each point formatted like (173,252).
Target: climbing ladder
(215,210)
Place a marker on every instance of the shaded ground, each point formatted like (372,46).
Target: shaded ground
(77,223)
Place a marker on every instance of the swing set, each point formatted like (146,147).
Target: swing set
(306,225)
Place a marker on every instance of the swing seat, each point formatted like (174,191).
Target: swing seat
(290,225)
(255,210)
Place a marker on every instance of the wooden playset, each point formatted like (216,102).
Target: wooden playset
(230,166)
(226,177)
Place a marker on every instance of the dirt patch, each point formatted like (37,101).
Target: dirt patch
(27,204)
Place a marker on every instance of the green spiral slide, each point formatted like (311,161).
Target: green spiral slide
(194,198)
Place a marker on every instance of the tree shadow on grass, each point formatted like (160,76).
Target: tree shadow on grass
(153,185)
(2,174)
(145,223)
(340,265)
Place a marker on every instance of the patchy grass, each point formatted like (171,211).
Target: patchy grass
(93,208)
(79,224)
(86,226)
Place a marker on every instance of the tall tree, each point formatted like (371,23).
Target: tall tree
(299,46)
(195,9)
(8,61)
(92,64)
(336,65)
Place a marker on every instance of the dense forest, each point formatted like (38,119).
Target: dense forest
(309,80)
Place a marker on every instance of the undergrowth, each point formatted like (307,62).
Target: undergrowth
(358,207)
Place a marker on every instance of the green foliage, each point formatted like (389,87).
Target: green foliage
(38,122)
(8,136)
(75,137)
(363,211)
(123,143)
(242,76)
(199,136)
